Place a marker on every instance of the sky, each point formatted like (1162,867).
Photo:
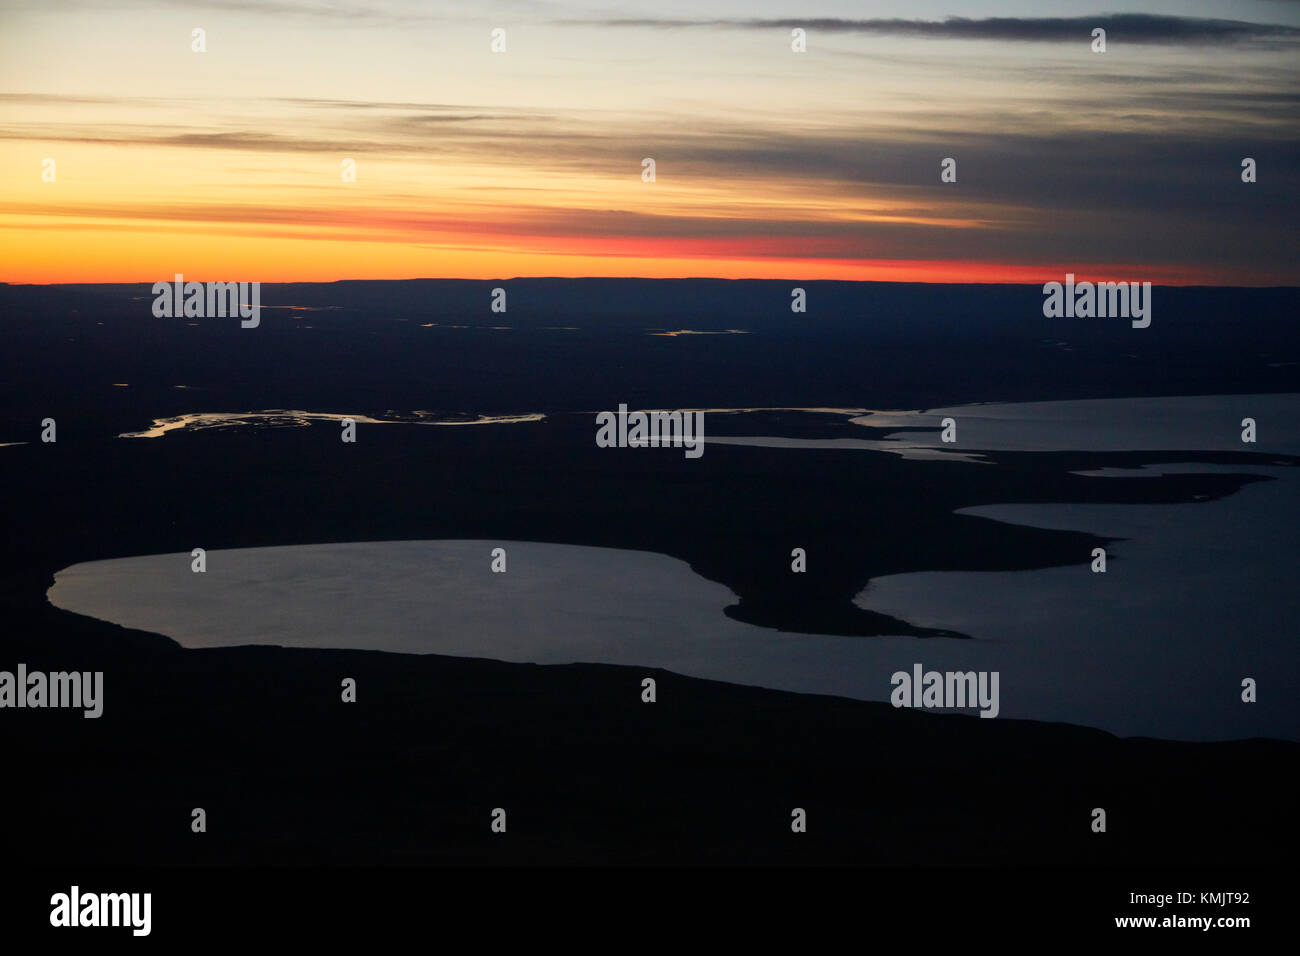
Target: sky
(228,164)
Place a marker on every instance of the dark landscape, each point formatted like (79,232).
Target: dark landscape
(257,736)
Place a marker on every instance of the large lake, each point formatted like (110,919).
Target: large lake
(1196,597)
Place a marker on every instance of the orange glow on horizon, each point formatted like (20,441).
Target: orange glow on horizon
(76,254)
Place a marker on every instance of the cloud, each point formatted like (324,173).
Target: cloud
(410,13)
(1143,28)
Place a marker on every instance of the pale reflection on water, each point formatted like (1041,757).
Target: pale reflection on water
(279,416)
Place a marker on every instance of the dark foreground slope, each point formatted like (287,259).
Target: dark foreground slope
(587,773)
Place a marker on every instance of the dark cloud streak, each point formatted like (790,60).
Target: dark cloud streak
(1126,27)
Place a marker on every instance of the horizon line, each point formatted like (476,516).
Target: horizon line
(1079,277)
